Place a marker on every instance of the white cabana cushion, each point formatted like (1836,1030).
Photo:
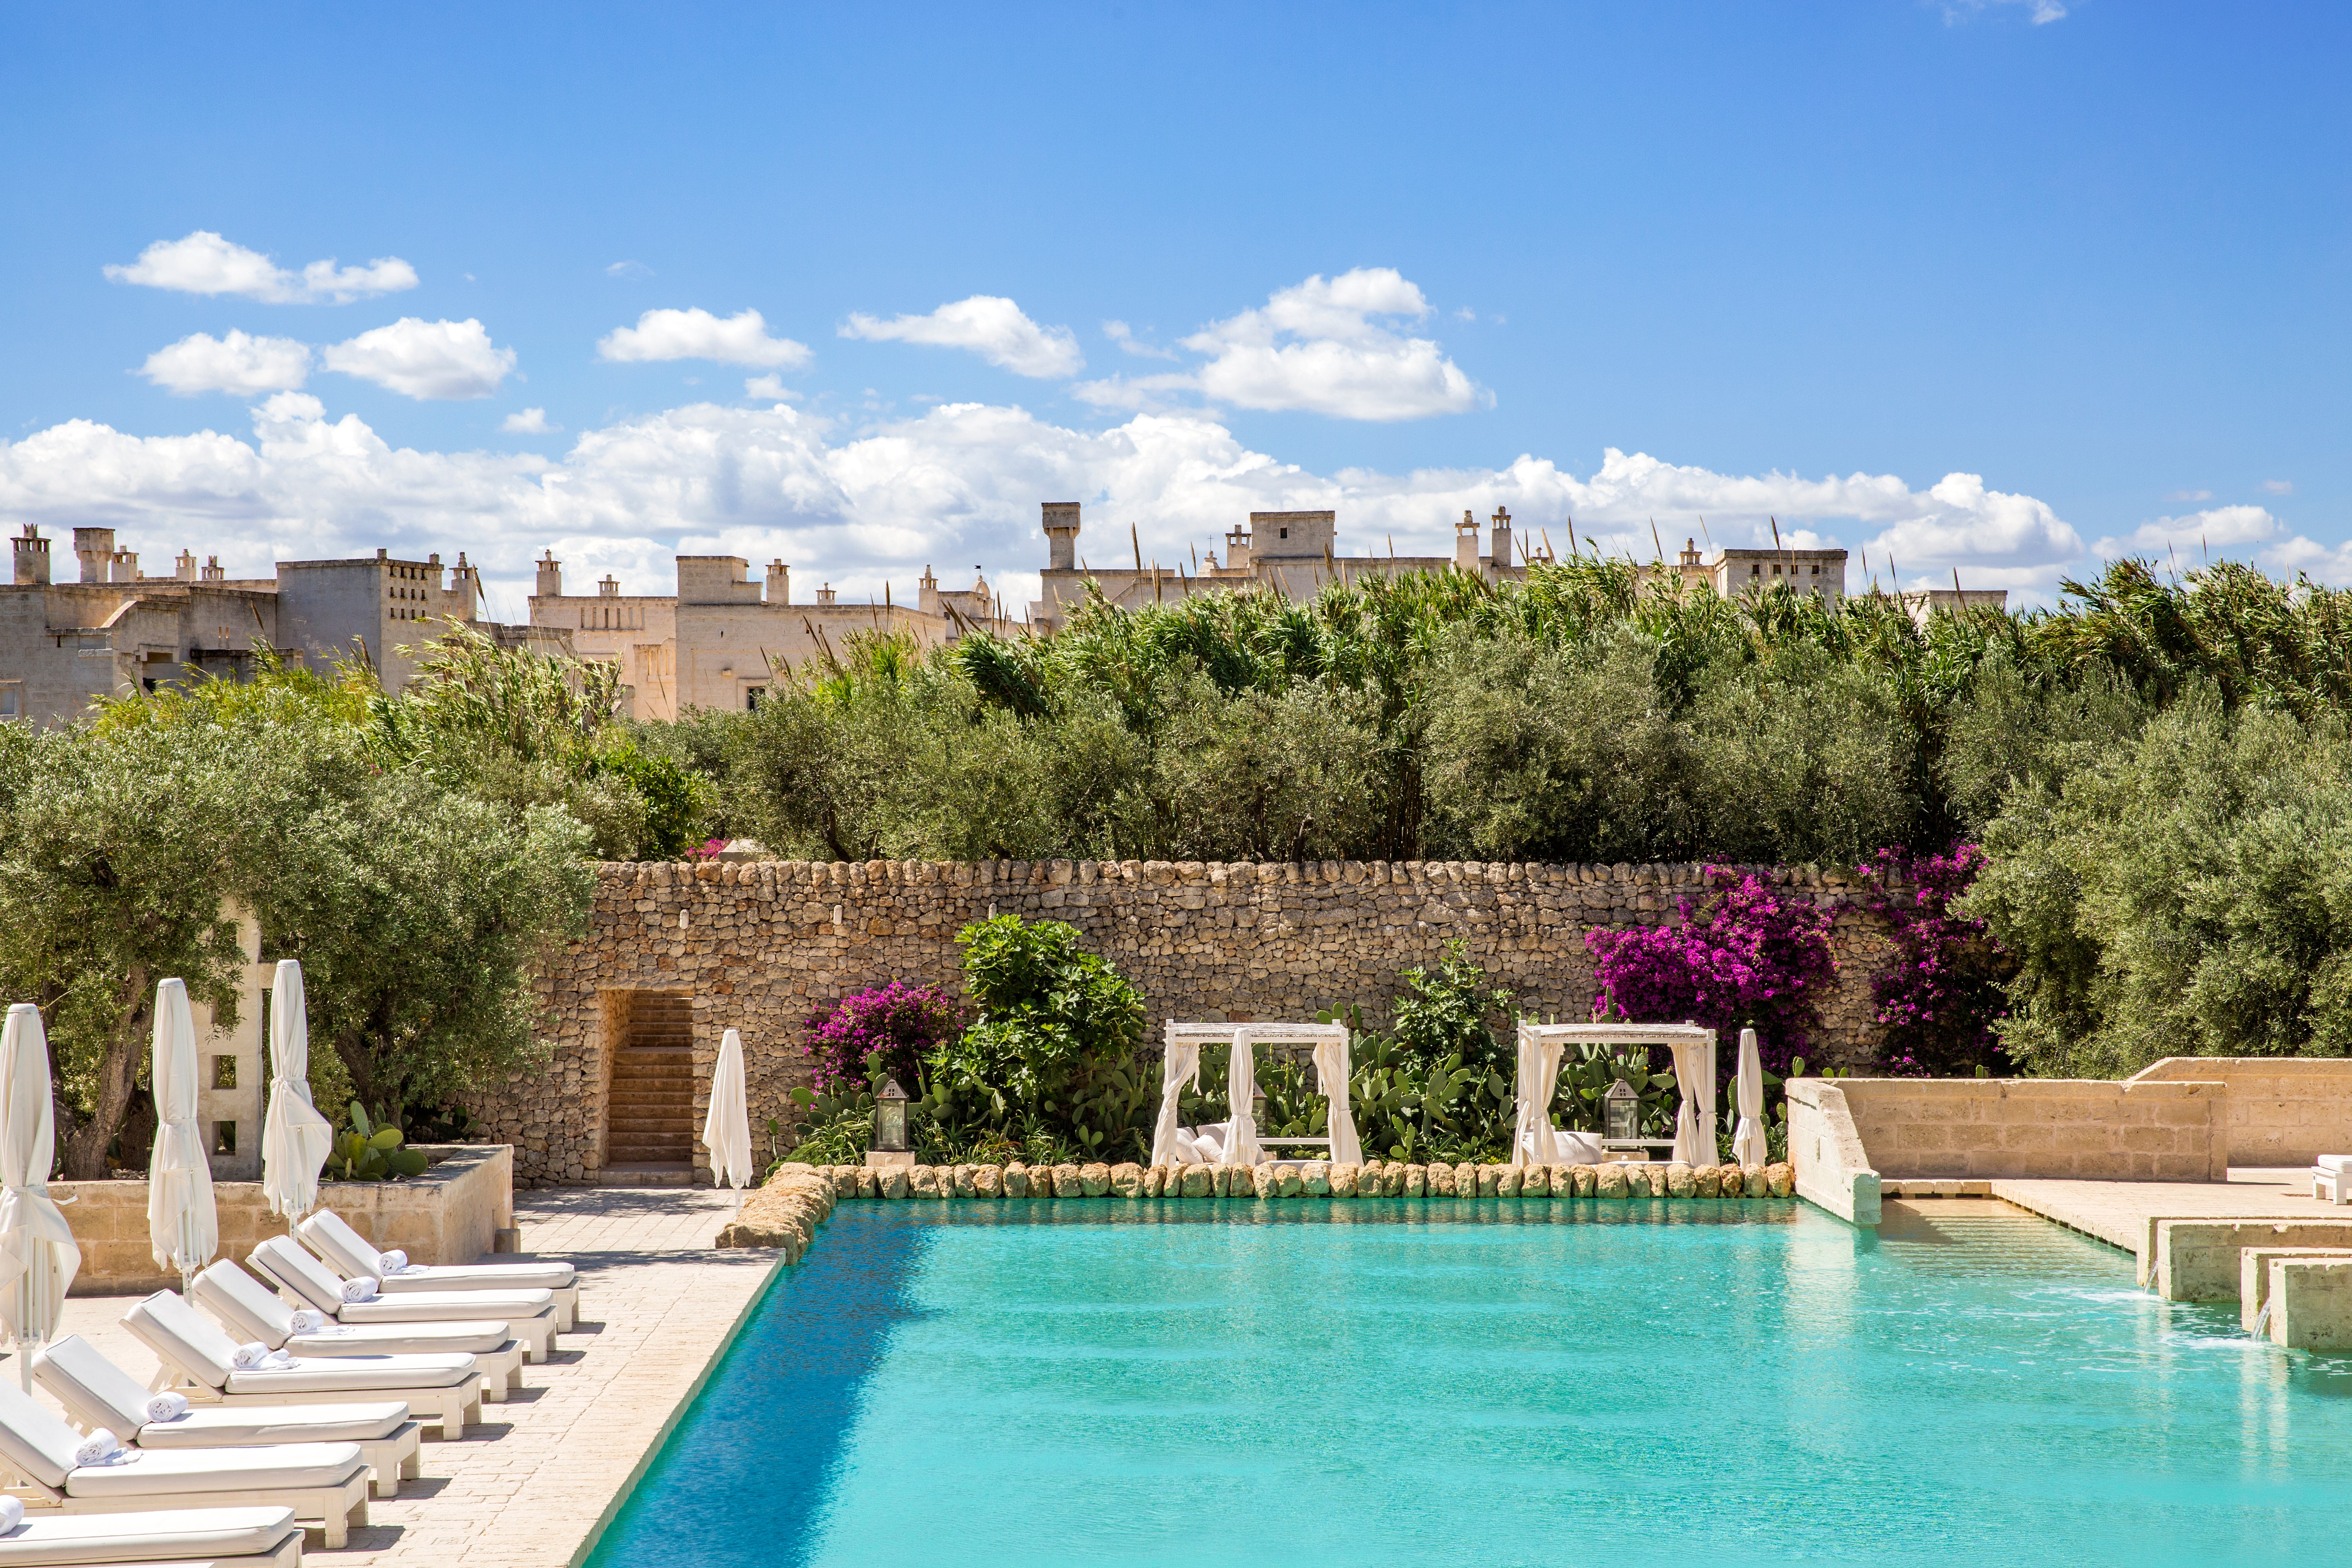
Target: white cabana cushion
(348,1254)
(2336,1163)
(194,1471)
(1577,1148)
(164,1535)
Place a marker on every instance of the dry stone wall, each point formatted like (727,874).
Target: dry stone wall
(760,946)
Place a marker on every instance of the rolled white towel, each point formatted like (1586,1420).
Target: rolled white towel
(12,1513)
(308,1320)
(249,1356)
(391,1262)
(359,1289)
(166,1406)
(99,1448)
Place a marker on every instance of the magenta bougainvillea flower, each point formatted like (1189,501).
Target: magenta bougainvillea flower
(901,1020)
(1935,1004)
(1754,956)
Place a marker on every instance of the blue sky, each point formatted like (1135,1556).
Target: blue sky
(1802,262)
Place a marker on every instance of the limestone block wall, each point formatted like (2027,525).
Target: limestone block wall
(760,946)
(2086,1129)
(2283,1110)
(449,1214)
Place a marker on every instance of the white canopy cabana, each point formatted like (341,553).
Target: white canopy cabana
(1540,1045)
(183,1223)
(1236,1141)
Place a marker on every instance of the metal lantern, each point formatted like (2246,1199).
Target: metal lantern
(1620,1113)
(891,1119)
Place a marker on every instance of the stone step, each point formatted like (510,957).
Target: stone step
(650,1148)
(649,1127)
(647,1173)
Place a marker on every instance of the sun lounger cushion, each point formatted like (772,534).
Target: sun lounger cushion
(358,1374)
(93,1390)
(319,1286)
(348,1253)
(456,1338)
(97,1393)
(177,1334)
(33,1442)
(163,1536)
(283,1467)
(249,1310)
(2338,1163)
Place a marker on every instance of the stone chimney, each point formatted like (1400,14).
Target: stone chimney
(125,566)
(94,549)
(32,558)
(464,587)
(1465,545)
(824,596)
(1237,548)
(550,577)
(926,593)
(780,582)
(608,586)
(1061,522)
(183,569)
(1499,539)
(213,571)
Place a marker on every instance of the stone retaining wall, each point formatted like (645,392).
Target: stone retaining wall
(760,946)
(2084,1129)
(2283,1110)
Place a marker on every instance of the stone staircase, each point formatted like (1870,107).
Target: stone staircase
(650,1117)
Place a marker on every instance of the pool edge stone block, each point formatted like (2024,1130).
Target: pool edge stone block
(2254,1275)
(2312,1303)
(2200,1259)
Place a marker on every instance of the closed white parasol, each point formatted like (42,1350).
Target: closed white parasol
(1747,1144)
(295,1138)
(727,1130)
(183,1227)
(38,1257)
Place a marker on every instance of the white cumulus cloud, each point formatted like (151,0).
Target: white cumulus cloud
(740,339)
(529,422)
(238,365)
(959,485)
(2214,528)
(435,360)
(990,326)
(205,263)
(1329,345)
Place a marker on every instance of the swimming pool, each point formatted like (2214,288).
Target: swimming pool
(1398,1381)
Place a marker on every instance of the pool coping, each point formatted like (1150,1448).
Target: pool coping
(678,1407)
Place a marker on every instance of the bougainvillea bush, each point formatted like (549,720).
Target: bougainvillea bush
(1935,1004)
(1754,956)
(905,1022)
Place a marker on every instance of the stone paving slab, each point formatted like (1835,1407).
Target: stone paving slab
(528,1486)
(2121,1213)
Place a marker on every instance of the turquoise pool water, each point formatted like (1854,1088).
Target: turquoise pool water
(1331,1385)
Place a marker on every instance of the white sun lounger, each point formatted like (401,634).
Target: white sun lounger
(529,1315)
(97,1393)
(325,1482)
(196,1356)
(170,1538)
(249,1311)
(2331,1178)
(351,1255)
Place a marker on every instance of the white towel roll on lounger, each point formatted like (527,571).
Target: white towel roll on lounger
(250,1354)
(12,1513)
(166,1406)
(309,1319)
(393,1262)
(359,1289)
(102,1448)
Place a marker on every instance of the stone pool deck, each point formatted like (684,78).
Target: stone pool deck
(2120,1212)
(528,1486)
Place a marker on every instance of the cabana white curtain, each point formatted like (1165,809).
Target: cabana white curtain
(1535,1142)
(1747,1144)
(1332,1072)
(1180,1062)
(183,1226)
(727,1129)
(295,1138)
(1241,1088)
(1694,1123)
(38,1257)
